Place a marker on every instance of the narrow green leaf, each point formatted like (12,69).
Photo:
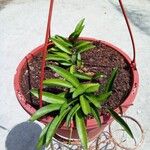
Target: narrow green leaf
(54,126)
(66,105)
(65,74)
(121,122)
(85,48)
(85,88)
(53,49)
(61,45)
(42,138)
(77,31)
(63,55)
(98,100)
(57,82)
(63,107)
(55,58)
(74,58)
(62,37)
(103,97)
(72,69)
(78,43)
(76,34)
(110,81)
(96,115)
(45,110)
(71,114)
(82,44)
(78,91)
(62,94)
(64,41)
(91,87)
(72,90)
(79,25)
(49,97)
(81,128)
(82,76)
(94,100)
(52,130)
(79,61)
(66,63)
(85,105)
(79,56)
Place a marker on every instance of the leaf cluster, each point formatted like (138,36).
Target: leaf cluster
(81,98)
(67,51)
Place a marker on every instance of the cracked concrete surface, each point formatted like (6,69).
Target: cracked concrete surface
(22,28)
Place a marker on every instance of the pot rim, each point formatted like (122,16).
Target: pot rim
(91,123)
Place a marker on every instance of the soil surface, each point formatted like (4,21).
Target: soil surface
(100,59)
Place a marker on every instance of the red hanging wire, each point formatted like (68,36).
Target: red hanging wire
(48,35)
(129,29)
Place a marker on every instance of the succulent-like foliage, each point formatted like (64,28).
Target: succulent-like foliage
(67,51)
(81,97)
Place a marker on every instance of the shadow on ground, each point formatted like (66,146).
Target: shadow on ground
(23,136)
(138,16)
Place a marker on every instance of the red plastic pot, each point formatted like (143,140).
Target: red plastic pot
(92,128)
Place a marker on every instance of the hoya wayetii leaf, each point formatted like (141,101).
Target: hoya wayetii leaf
(45,110)
(49,97)
(55,57)
(85,105)
(65,74)
(61,45)
(77,31)
(94,100)
(71,114)
(81,128)
(96,115)
(82,76)
(54,126)
(110,81)
(64,41)
(121,122)
(57,82)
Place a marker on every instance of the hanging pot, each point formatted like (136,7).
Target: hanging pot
(92,129)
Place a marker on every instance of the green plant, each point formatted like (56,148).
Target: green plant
(81,94)
(67,52)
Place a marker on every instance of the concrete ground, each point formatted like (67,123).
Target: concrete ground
(22,28)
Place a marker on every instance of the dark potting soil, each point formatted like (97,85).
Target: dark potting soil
(100,59)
